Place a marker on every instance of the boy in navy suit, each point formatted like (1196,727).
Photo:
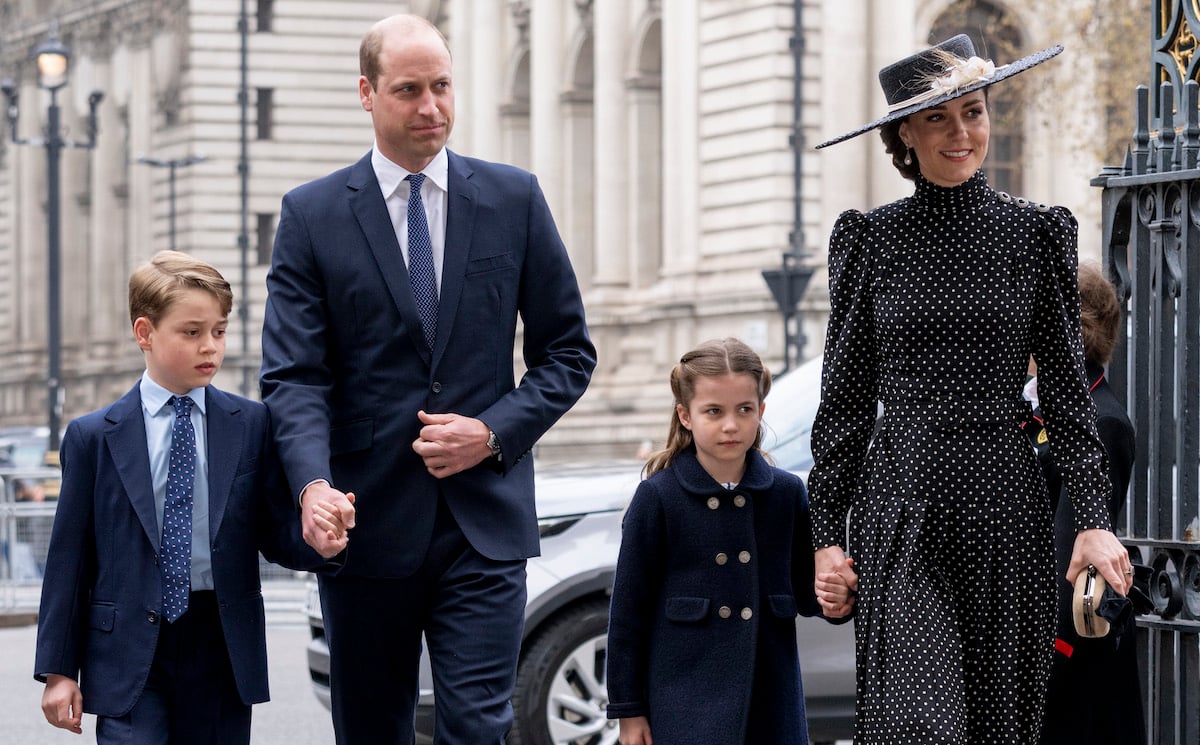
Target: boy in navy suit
(152,594)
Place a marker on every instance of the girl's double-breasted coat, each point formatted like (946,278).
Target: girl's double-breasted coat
(709,581)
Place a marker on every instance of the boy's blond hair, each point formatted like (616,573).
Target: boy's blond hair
(156,285)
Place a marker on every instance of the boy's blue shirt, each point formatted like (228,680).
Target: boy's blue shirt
(159,417)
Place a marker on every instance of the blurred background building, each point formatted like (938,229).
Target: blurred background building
(673,139)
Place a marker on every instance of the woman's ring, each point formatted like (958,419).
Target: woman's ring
(1129,572)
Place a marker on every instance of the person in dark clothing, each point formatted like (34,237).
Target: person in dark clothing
(715,564)
(937,302)
(1094,693)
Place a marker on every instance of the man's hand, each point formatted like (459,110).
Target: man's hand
(450,443)
(62,703)
(326,515)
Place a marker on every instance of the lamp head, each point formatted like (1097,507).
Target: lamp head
(53,62)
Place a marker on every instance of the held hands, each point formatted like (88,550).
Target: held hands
(62,703)
(635,731)
(326,515)
(450,443)
(836,583)
(1101,548)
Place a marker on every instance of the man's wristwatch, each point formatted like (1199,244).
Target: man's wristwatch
(494,445)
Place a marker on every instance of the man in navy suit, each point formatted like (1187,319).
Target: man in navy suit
(419,421)
(166,657)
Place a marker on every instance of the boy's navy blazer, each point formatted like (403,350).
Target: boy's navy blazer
(102,594)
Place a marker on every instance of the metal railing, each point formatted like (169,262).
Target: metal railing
(1151,209)
(27,507)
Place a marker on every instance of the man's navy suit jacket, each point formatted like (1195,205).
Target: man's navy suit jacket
(346,369)
(102,594)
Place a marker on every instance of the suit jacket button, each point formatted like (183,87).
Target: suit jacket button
(436,387)
(721,558)
(152,617)
(724,611)
(747,614)
(739,501)
(713,503)
(744,557)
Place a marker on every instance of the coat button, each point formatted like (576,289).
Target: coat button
(724,611)
(744,557)
(739,501)
(721,558)
(747,614)
(713,503)
(152,617)
(436,387)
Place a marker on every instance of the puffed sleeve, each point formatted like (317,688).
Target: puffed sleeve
(849,382)
(1067,407)
(636,587)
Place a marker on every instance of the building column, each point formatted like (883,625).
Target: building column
(611,143)
(680,157)
(547,59)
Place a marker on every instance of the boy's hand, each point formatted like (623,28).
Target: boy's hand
(326,515)
(62,703)
(635,731)
(836,583)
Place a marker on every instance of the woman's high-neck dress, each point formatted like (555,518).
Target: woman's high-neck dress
(937,302)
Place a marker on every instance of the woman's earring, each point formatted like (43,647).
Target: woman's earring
(908,157)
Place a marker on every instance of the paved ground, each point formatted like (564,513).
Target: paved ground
(293,717)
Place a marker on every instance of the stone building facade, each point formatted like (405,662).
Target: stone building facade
(660,130)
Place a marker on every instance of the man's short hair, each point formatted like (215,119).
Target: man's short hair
(372,44)
(157,285)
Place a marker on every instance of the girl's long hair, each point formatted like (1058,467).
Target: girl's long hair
(710,359)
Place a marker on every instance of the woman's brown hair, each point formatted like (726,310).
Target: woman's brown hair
(1100,314)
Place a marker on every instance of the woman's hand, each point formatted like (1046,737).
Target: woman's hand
(835,583)
(1102,549)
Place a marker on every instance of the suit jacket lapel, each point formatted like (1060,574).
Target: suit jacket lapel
(126,439)
(366,201)
(226,432)
(460,223)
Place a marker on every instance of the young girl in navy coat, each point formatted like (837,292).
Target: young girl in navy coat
(716,562)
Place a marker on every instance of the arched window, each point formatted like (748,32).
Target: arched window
(996,35)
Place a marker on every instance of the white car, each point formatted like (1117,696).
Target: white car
(561,693)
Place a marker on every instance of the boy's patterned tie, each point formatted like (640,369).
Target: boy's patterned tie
(176,559)
(420,260)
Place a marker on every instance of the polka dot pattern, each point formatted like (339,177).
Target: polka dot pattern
(937,302)
(176,553)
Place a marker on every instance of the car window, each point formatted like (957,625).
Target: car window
(791,407)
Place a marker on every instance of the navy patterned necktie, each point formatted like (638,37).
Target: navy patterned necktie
(176,558)
(420,260)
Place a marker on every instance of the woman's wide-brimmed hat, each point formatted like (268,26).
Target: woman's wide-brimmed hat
(938,74)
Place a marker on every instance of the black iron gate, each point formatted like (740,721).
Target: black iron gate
(1151,210)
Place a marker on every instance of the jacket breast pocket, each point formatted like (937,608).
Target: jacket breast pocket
(687,610)
(102,616)
(485,264)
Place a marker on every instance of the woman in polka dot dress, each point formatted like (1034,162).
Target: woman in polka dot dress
(937,302)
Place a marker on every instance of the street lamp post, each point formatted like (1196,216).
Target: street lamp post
(53,61)
(172,165)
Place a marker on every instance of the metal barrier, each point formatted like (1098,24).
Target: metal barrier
(27,506)
(1152,252)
